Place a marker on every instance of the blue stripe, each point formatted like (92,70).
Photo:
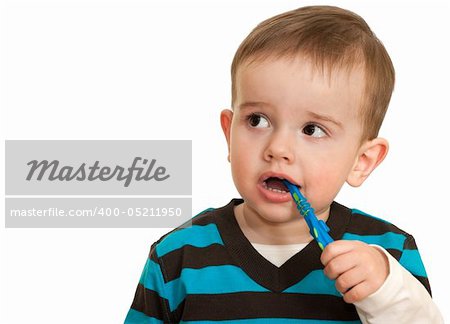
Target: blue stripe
(218,280)
(357,211)
(315,283)
(136,317)
(411,260)
(274,320)
(151,278)
(196,235)
(387,240)
(210,280)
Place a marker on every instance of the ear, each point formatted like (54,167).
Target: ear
(226,117)
(370,155)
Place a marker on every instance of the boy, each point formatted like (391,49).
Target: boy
(310,88)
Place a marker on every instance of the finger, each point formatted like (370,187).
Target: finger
(358,293)
(336,248)
(349,279)
(340,264)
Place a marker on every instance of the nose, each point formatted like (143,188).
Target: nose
(280,147)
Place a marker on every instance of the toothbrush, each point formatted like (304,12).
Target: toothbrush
(318,229)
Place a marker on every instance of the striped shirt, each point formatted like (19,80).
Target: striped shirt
(210,272)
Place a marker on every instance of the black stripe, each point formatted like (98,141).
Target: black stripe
(365,225)
(424,281)
(178,313)
(205,218)
(410,243)
(149,302)
(270,305)
(395,253)
(339,219)
(195,258)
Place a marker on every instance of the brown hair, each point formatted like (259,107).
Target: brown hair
(332,38)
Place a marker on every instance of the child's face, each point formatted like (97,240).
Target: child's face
(290,121)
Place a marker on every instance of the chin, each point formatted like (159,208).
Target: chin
(273,213)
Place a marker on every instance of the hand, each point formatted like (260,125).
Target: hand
(358,268)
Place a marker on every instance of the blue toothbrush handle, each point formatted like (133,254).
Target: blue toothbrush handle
(318,228)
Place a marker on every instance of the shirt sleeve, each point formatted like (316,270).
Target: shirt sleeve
(401,299)
(150,305)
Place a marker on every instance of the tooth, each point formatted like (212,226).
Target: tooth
(276,190)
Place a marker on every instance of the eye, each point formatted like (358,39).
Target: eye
(257,121)
(314,131)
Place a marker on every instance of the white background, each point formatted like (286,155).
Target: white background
(160,70)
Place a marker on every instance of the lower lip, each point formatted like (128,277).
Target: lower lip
(272,196)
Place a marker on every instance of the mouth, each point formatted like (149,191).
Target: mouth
(275,184)
(274,187)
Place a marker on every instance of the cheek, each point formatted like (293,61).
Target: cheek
(242,153)
(335,161)
(321,177)
(322,188)
(245,146)
(327,176)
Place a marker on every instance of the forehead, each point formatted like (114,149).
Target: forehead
(298,81)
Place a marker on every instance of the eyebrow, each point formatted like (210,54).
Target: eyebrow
(253,104)
(324,118)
